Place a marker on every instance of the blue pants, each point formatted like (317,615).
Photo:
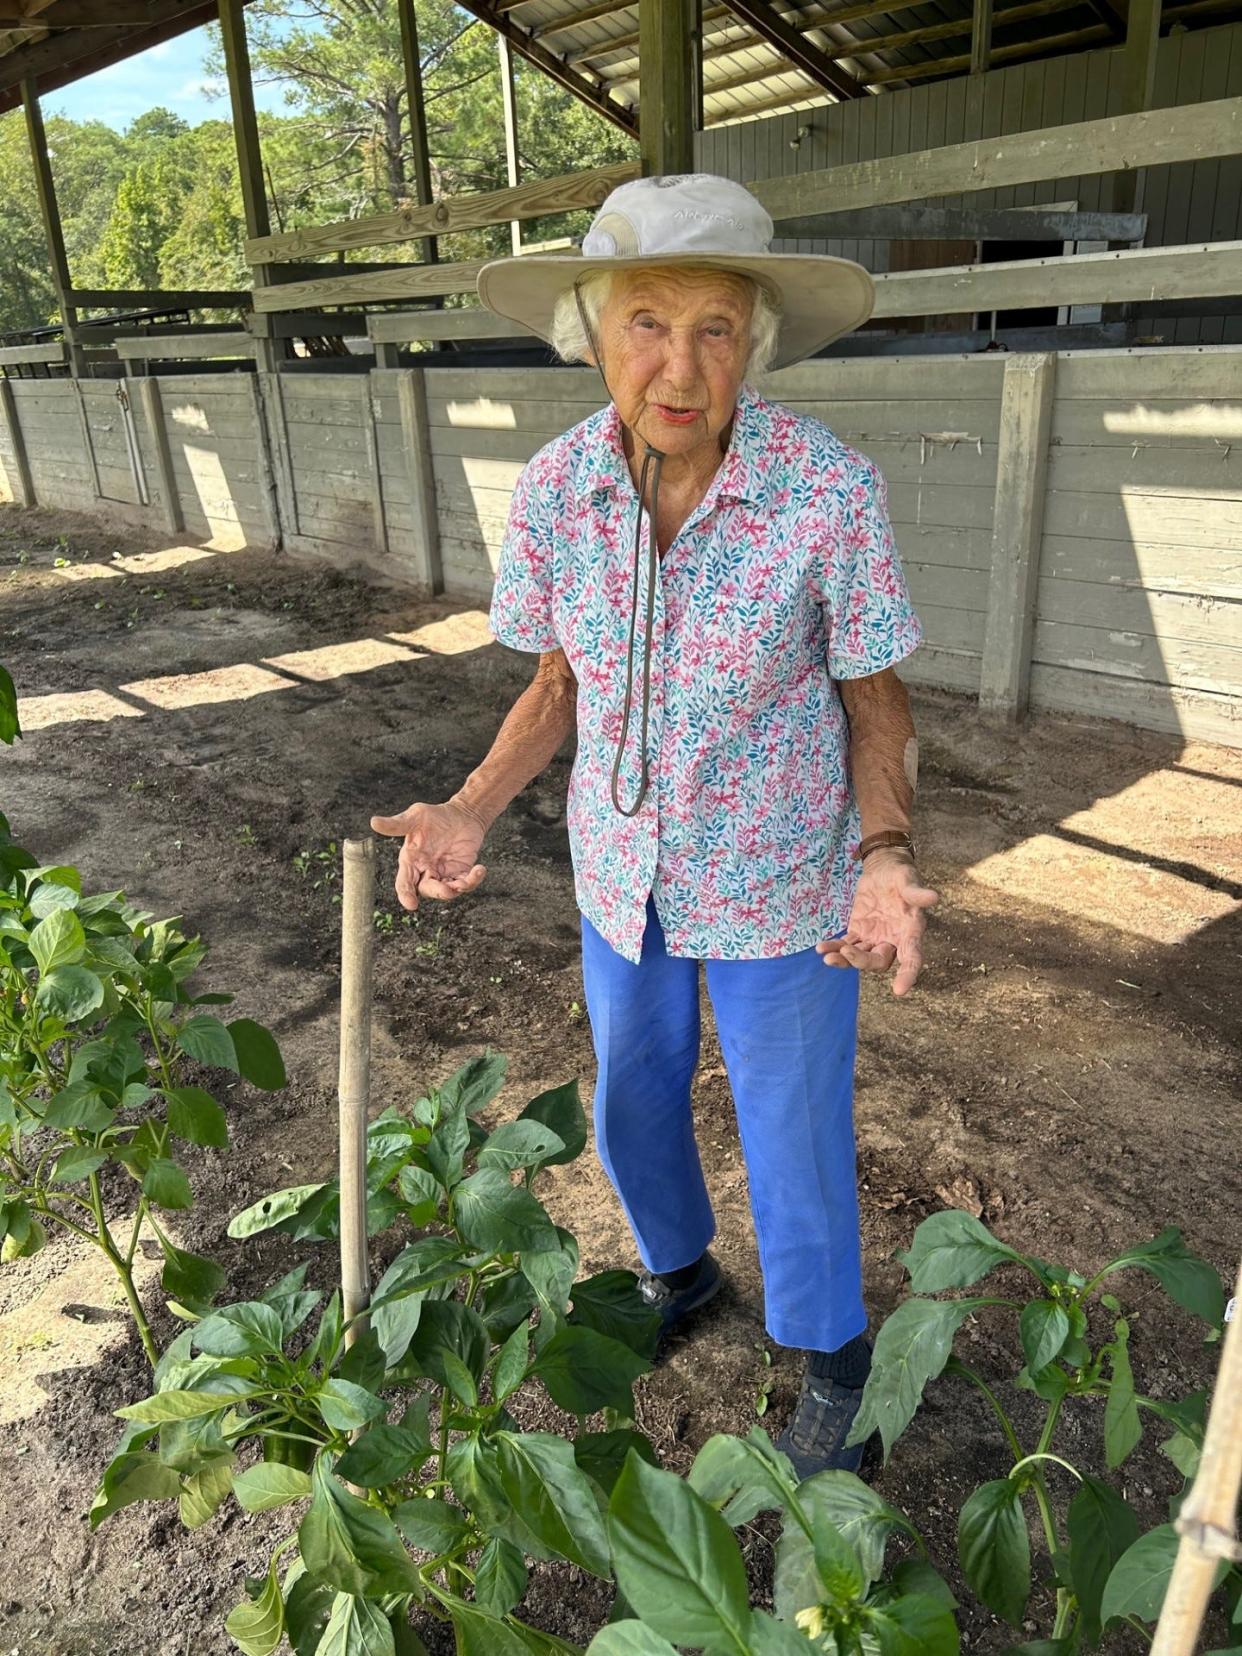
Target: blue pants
(787,1029)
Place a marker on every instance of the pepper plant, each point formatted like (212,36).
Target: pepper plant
(98,1033)
(418,1488)
(1103,1570)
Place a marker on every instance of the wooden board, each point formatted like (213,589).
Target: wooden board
(1199,715)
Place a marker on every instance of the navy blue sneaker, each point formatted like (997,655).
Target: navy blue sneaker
(676,1304)
(822,1419)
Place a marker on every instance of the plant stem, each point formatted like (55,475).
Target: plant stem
(124,1268)
(958,1367)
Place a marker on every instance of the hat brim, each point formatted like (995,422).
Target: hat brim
(820,297)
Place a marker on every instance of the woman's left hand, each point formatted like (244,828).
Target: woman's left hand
(886,922)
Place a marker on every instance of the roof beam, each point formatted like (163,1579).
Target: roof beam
(820,17)
(83,14)
(1019,52)
(523,42)
(802,53)
(585,14)
(58,59)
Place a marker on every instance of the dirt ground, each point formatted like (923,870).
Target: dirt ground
(1068,1066)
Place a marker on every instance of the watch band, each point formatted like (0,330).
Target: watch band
(885,838)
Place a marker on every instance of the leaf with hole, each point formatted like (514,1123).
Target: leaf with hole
(560,1109)
(519,1144)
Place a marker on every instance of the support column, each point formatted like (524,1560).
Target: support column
(1138,68)
(49,209)
(508,98)
(420,153)
(1017,531)
(148,392)
(981,37)
(416,441)
(25,490)
(667,96)
(268,349)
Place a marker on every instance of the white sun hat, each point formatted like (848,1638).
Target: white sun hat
(697,220)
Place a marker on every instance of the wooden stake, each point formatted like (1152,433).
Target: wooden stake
(1208,1519)
(357,932)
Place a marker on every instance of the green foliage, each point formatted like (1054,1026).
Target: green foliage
(1103,1569)
(98,1029)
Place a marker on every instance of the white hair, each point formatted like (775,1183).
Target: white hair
(570,342)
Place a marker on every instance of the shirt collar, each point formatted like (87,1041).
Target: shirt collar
(740,477)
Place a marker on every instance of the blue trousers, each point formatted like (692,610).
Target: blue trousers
(787,1030)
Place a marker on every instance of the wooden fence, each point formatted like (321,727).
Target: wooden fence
(1070,524)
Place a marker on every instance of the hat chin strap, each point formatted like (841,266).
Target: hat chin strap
(653,462)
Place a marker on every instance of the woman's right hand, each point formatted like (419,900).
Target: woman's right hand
(438,853)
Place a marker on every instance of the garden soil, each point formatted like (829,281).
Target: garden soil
(204,728)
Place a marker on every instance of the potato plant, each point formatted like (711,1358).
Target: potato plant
(98,1029)
(1104,1571)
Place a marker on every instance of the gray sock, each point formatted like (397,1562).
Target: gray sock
(849,1365)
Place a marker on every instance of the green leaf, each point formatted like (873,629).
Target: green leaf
(165,1185)
(76,1163)
(177,1405)
(54,888)
(447,1147)
(480,1634)
(1101,1528)
(520,1144)
(916,1575)
(448,1326)
(561,1110)
(498,1217)
(363,1361)
(207,1041)
(10,726)
(308,1605)
(845,1503)
(356,1627)
(190,1279)
(136,1475)
(70,993)
(911,1348)
(767,1637)
(258,1057)
(350,1545)
(1188,1280)
(249,1329)
(1122,1426)
(204,1490)
(434,1526)
(458,1379)
(346,1407)
(80,1105)
(57,941)
(1138,1581)
(195,1116)
(914,1626)
(995,1549)
(511,1363)
(423,1193)
(676,1560)
(500,1577)
(601,1455)
(953,1250)
(472,1087)
(556,1501)
(611,1304)
(382,1456)
(423,1269)
(629,1638)
(1044,1327)
(269,1484)
(743,1476)
(276,1209)
(550,1274)
(585,1371)
(257,1625)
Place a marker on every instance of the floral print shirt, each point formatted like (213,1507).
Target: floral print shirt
(784,579)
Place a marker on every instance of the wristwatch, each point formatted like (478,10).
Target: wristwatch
(887,837)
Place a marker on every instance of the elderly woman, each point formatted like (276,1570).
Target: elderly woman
(710,584)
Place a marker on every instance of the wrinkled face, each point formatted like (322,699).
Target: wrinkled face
(675,345)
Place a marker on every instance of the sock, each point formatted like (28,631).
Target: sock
(677,1280)
(848,1366)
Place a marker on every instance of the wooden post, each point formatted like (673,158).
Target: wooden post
(378,514)
(354,1090)
(269,350)
(149,395)
(277,427)
(17,441)
(1138,67)
(420,150)
(1017,528)
(509,100)
(1207,1522)
(980,37)
(666,99)
(267,472)
(49,209)
(416,439)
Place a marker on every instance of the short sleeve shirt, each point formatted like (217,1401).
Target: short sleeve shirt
(783,581)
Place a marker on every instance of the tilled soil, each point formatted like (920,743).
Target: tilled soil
(1068,1066)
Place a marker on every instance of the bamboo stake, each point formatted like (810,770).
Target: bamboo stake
(1207,1521)
(357,902)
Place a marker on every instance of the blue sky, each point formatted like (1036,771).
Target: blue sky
(171,75)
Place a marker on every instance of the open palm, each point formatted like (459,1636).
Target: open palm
(439,851)
(886,923)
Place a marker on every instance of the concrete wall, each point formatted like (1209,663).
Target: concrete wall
(1135,612)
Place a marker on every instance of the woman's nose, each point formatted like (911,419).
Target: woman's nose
(682,362)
